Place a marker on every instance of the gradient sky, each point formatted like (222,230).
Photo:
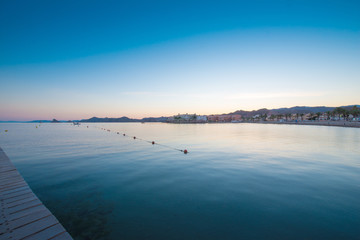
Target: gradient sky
(79,59)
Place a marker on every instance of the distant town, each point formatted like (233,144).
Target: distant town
(334,115)
(303,114)
(296,114)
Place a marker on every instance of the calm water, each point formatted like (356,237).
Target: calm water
(239,181)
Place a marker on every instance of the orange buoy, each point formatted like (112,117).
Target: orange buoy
(152,142)
(185,151)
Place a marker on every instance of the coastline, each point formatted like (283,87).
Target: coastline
(346,124)
(316,123)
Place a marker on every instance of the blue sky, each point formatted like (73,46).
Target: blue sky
(78,59)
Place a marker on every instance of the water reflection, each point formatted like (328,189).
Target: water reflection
(247,181)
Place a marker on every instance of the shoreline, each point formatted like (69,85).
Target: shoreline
(322,123)
(346,124)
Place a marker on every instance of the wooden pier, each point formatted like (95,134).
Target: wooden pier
(22,214)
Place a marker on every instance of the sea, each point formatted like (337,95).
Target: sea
(237,181)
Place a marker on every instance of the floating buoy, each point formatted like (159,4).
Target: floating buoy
(36,126)
(6,130)
(185,151)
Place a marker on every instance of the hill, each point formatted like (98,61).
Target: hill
(125,119)
(297,109)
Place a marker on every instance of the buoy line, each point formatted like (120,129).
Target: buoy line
(185,151)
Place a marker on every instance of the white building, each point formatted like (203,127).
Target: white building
(185,117)
(201,118)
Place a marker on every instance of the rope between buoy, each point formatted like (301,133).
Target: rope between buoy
(185,151)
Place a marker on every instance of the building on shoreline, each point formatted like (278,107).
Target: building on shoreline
(188,118)
(338,114)
(193,118)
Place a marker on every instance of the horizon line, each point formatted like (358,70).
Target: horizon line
(33,120)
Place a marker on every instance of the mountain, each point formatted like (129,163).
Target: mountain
(122,119)
(40,121)
(12,121)
(154,119)
(262,111)
(125,119)
(297,109)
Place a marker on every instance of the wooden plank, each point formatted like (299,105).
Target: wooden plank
(10,182)
(21,201)
(2,220)
(6,192)
(29,219)
(12,186)
(61,236)
(3,229)
(47,233)
(34,227)
(16,194)
(22,214)
(18,198)
(24,206)
(26,212)
(5,170)
(8,175)
(5,236)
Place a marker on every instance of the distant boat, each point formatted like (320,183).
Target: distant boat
(76,123)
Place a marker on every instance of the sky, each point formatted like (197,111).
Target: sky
(74,60)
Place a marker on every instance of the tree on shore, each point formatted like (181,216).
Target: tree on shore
(318,114)
(311,116)
(263,117)
(328,114)
(341,112)
(289,115)
(355,111)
